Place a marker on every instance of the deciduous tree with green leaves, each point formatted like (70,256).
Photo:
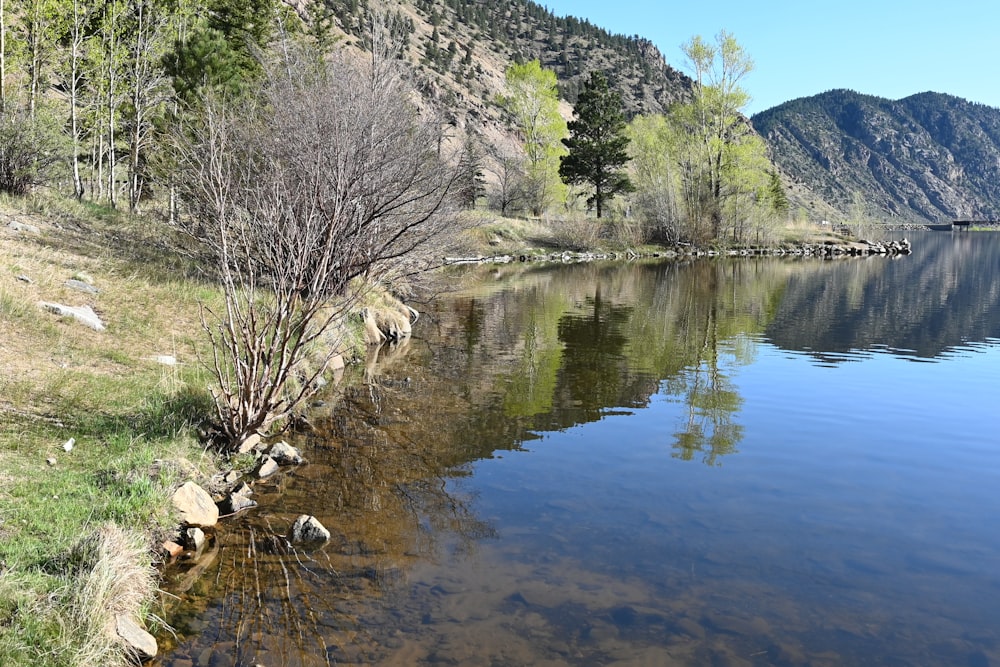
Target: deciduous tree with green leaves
(532,99)
(713,118)
(597,144)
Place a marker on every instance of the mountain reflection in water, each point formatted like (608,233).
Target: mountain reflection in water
(522,482)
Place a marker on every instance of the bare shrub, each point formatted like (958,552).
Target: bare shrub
(29,148)
(331,175)
(576,234)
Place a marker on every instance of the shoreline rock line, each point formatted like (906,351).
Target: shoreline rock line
(825,250)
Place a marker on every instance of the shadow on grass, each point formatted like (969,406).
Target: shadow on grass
(162,416)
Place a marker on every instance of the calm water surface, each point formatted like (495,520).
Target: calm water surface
(757,462)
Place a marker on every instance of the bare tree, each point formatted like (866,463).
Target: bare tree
(332,175)
(508,192)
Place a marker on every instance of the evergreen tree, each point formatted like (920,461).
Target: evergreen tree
(597,143)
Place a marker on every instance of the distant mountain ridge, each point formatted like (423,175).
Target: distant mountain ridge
(927,157)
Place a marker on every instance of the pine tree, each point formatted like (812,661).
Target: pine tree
(597,143)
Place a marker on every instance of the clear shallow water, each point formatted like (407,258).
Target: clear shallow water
(749,463)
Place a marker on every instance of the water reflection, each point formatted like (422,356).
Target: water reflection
(378,480)
(945,295)
(600,541)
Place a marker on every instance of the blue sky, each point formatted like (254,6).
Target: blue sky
(800,48)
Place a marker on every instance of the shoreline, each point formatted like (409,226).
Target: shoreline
(825,250)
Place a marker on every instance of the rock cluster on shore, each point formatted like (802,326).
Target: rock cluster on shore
(824,250)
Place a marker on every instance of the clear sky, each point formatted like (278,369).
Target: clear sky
(889,48)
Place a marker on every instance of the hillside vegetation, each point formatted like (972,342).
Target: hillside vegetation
(927,157)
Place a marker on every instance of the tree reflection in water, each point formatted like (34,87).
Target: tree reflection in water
(485,374)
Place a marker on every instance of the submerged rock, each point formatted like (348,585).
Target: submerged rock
(307,529)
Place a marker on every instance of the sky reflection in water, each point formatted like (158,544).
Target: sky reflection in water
(665,465)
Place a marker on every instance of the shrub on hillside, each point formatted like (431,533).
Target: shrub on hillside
(29,148)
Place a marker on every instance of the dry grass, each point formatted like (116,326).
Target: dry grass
(43,356)
(107,573)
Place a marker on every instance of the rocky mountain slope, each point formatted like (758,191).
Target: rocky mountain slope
(927,157)
(463,47)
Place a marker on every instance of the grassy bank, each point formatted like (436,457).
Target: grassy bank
(76,527)
(97,427)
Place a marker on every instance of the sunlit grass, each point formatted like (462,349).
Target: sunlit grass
(123,410)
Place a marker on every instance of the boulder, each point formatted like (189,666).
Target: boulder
(83,314)
(307,529)
(195,506)
(285,455)
(267,467)
(138,642)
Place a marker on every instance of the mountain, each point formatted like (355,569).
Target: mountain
(461,49)
(927,157)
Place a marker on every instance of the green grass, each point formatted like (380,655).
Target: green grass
(77,537)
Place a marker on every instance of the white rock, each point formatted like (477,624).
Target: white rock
(24,227)
(68,445)
(83,314)
(165,359)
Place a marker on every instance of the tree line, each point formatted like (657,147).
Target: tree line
(695,173)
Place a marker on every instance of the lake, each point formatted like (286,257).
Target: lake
(757,461)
